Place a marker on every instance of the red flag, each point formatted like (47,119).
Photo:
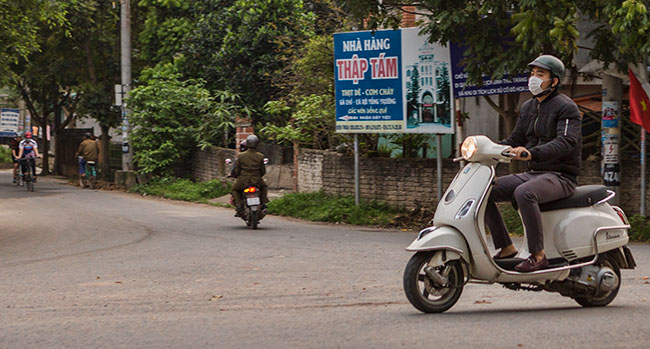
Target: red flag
(639,103)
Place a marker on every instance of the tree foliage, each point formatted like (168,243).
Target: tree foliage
(172,116)
(312,122)
(20,22)
(239,45)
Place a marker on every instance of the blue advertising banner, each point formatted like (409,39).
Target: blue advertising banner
(391,81)
(368,84)
(490,87)
(9,120)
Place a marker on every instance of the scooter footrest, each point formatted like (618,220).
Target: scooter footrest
(508,263)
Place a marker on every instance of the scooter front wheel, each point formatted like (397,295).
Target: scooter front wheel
(432,289)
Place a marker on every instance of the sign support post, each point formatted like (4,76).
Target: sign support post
(357,191)
(439,164)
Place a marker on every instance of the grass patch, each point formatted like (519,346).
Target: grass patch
(5,155)
(183,189)
(511,218)
(323,207)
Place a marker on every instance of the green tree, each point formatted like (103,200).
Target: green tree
(172,116)
(95,38)
(623,36)
(239,45)
(165,27)
(20,22)
(311,122)
(501,37)
(47,78)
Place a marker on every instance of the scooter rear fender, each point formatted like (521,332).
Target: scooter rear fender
(441,238)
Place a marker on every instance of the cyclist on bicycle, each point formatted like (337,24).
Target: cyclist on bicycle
(15,143)
(28,151)
(87,151)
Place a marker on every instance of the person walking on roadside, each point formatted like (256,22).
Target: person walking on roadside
(15,143)
(88,151)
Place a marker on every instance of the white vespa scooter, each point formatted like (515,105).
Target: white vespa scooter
(584,239)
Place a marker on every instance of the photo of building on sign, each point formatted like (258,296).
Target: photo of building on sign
(428,89)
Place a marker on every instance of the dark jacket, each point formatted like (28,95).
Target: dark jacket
(250,164)
(552,132)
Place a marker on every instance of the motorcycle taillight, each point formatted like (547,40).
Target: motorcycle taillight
(621,215)
(250,190)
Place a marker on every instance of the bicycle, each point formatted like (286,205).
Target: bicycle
(26,177)
(90,179)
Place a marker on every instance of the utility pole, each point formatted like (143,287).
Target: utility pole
(612,95)
(125,60)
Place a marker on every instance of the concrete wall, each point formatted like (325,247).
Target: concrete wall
(310,170)
(210,163)
(412,182)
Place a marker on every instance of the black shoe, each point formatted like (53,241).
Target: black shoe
(15,180)
(237,214)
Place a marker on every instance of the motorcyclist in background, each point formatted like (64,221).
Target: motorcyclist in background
(249,170)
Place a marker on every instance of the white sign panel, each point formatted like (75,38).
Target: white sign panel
(9,119)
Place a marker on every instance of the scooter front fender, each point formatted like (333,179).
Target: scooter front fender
(441,238)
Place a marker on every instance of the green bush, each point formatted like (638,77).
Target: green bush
(511,219)
(640,230)
(183,189)
(323,207)
(5,155)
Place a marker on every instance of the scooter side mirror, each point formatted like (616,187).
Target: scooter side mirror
(228,161)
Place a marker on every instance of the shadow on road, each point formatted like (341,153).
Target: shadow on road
(510,311)
(9,190)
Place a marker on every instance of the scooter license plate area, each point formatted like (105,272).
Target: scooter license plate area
(253,201)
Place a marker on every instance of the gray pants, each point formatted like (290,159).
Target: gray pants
(529,190)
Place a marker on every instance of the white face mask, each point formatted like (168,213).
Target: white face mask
(535,85)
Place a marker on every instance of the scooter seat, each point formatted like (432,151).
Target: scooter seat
(583,196)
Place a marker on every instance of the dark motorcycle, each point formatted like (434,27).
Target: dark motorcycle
(251,212)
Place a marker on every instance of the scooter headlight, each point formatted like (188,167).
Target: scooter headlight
(468,149)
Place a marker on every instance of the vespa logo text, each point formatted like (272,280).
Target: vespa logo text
(610,236)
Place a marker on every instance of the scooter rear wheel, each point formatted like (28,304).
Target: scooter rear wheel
(423,293)
(601,300)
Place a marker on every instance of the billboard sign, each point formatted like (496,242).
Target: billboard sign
(9,120)
(490,86)
(391,81)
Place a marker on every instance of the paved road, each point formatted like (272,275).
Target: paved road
(82,268)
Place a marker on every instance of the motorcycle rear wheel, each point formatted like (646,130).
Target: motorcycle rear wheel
(601,300)
(254,219)
(420,289)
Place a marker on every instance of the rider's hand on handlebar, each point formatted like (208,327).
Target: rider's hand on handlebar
(521,153)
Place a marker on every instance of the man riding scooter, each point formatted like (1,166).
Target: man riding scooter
(249,169)
(548,135)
